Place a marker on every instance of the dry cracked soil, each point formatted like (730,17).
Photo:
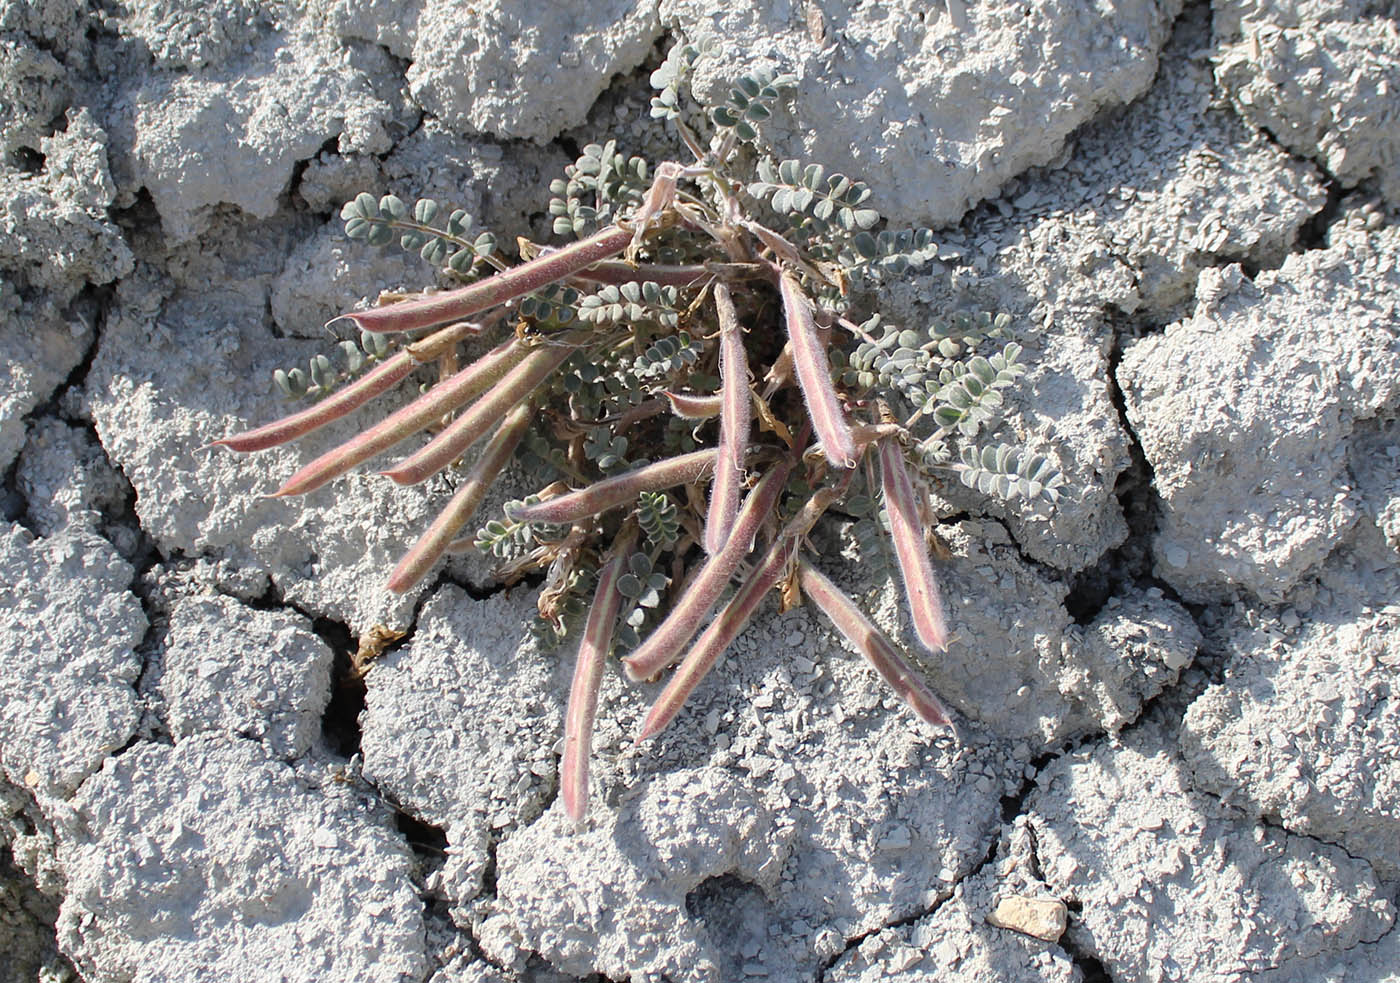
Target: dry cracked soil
(1178,751)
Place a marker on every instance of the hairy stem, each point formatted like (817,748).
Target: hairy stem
(619,271)
(672,275)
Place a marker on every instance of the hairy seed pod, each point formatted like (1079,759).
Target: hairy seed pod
(688,406)
(726,626)
(468,498)
(588,675)
(703,592)
(872,643)
(920,585)
(619,490)
(450,305)
(472,425)
(423,412)
(814,376)
(375,383)
(734,424)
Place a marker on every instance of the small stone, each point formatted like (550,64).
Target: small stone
(1041,918)
(897,838)
(905,958)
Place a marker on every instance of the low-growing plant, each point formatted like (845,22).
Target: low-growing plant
(695,336)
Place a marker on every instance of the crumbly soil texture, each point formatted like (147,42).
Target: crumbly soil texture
(1178,755)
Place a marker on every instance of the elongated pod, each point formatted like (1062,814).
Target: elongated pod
(814,376)
(734,423)
(473,424)
(920,585)
(702,593)
(450,305)
(618,490)
(689,406)
(422,412)
(588,675)
(872,643)
(720,633)
(374,383)
(463,505)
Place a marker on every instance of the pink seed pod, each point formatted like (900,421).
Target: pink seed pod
(471,426)
(350,398)
(872,643)
(920,585)
(726,626)
(468,498)
(814,376)
(588,675)
(423,412)
(451,305)
(689,406)
(734,423)
(622,489)
(703,591)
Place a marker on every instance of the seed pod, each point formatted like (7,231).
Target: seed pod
(455,392)
(814,376)
(872,643)
(619,490)
(734,423)
(588,675)
(920,585)
(439,537)
(451,305)
(701,594)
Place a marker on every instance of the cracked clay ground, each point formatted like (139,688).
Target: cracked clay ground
(1178,755)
